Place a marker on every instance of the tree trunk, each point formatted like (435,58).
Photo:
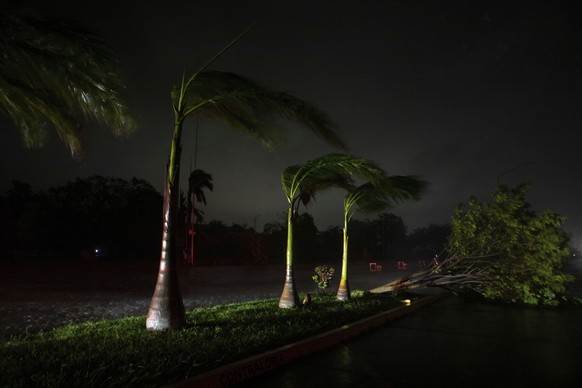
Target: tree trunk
(167,307)
(434,276)
(343,292)
(290,296)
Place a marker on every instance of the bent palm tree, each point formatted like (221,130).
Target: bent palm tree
(55,72)
(302,183)
(372,198)
(245,106)
(197,182)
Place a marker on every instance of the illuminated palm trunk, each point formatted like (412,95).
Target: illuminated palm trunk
(343,292)
(289,297)
(166,309)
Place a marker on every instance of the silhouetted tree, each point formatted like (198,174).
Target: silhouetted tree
(197,182)
(391,235)
(275,238)
(330,241)
(118,216)
(23,221)
(121,217)
(306,242)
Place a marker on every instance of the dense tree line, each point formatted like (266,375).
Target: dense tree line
(121,218)
(97,216)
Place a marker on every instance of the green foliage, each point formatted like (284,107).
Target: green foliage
(121,353)
(517,253)
(57,72)
(373,197)
(247,106)
(325,172)
(323,276)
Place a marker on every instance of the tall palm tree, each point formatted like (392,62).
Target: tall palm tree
(301,183)
(197,182)
(372,198)
(247,107)
(58,73)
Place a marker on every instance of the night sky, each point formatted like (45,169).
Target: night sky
(465,94)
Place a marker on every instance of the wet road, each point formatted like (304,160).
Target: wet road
(36,296)
(452,343)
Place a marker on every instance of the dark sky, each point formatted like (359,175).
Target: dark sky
(463,93)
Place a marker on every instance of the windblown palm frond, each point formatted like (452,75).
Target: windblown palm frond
(313,183)
(309,188)
(332,170)
(369,198)
(56,72)
(248,107)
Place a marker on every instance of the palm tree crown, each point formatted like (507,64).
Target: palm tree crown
(56,72)
(373,198)
(247,106)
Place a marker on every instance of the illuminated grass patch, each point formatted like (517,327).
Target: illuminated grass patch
(123,353)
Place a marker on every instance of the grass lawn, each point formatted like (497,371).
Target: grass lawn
(122,353)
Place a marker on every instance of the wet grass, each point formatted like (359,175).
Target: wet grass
(122,352)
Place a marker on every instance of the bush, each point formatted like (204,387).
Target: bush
(323,276)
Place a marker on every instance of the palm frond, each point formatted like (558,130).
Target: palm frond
(249,107)
(311,187)
(405,187)
(369,198)
(332,170)
(332,165)
(58,73)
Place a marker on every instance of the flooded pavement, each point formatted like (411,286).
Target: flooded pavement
(38,296)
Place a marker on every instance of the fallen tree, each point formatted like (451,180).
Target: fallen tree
(501,250)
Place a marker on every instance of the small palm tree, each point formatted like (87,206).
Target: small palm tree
(246,107)
(372,198)
(301,183)
(58,73)
(197,182)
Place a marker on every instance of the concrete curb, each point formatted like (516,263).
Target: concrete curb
(254,366)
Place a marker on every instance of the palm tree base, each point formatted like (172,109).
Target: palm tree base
(289,296)
(343,292)
(166,310)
